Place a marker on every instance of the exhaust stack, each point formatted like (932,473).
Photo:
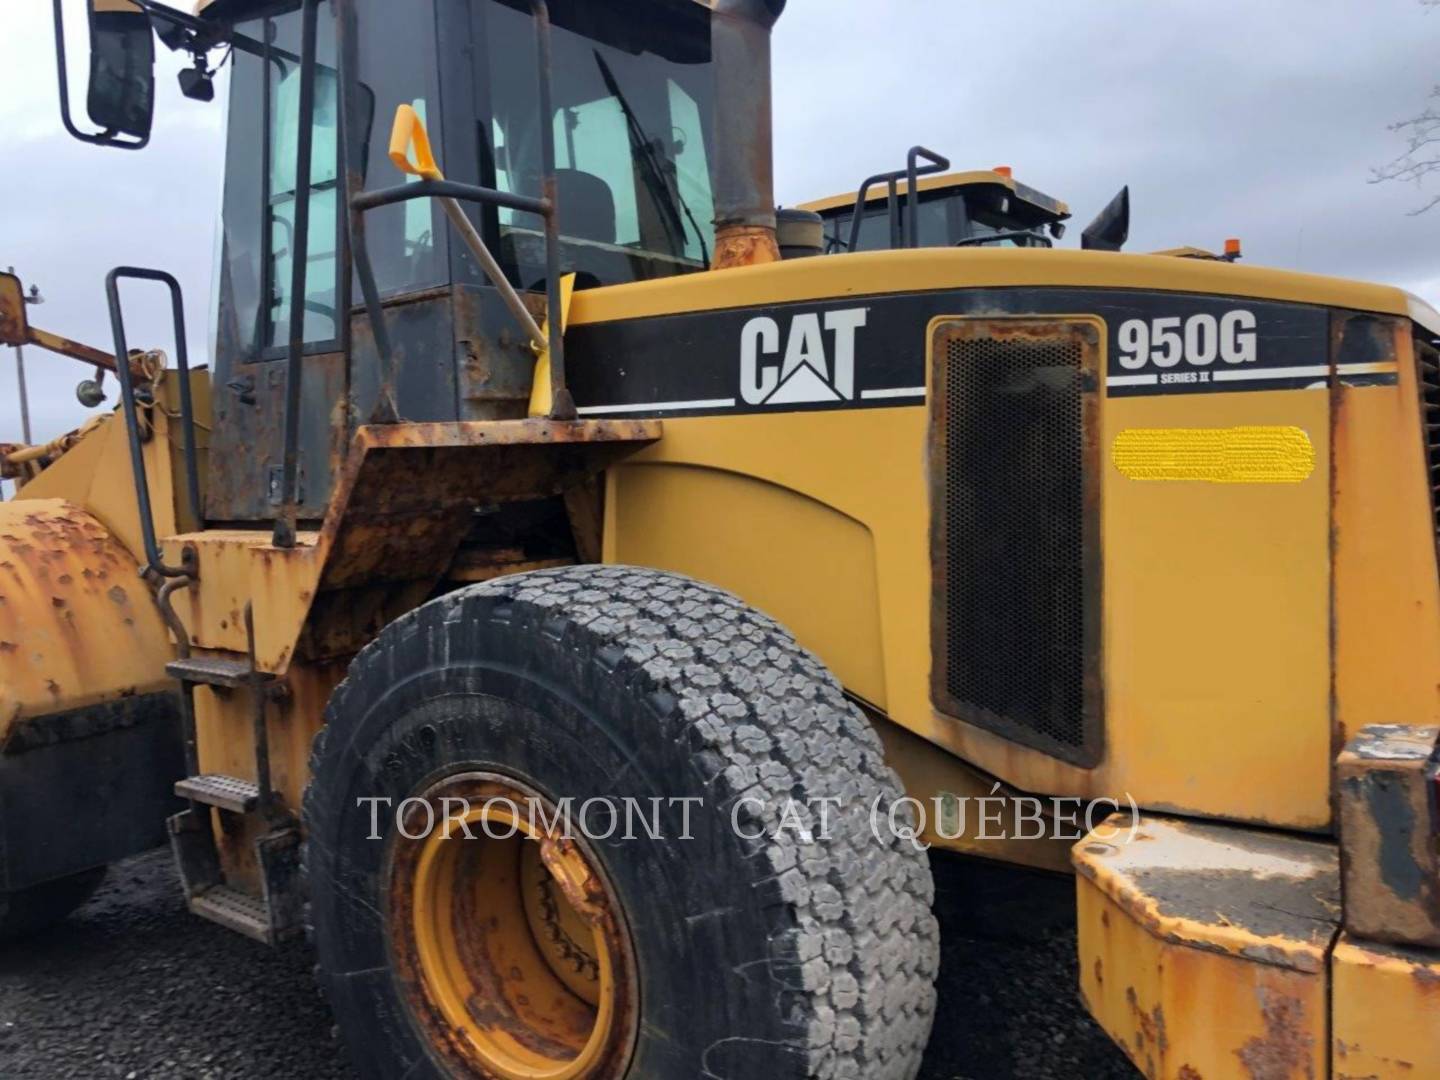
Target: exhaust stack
(745,178)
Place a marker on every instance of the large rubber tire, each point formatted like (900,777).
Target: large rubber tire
(26,911)
(769,957)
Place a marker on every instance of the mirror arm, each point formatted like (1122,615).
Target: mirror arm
(99,138)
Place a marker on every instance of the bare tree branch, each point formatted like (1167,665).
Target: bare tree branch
(1420,133)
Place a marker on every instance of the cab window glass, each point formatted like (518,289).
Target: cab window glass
(935,228)
(396,66)
(592,139)
(692,172)
(258,234)
(632,124)
(321,321)
(406,241)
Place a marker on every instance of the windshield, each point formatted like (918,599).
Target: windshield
(632,129)
(993,216)
(407,253)
(936,227)
(945,219)
(261,187)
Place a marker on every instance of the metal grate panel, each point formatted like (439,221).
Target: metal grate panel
(1014,533)
(1428,377)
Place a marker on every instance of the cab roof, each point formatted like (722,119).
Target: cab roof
(956,181)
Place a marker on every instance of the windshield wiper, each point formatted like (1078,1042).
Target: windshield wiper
(659,179)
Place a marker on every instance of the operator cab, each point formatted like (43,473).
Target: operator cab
(633,101)
(633,119)
(986,207)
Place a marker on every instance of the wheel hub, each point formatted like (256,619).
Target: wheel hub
(508,941)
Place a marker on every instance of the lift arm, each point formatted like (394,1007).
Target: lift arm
(15,329)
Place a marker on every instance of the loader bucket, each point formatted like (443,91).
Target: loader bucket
(89,735)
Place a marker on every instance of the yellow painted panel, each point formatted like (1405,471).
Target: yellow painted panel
(1387,591)
(240,566)
(225,721)
(1182,1013)
(95,473)
(865,466)
(950,791)
(1216,609)
(1211,588)
(1386,1012)
(1203,947)
(801,561)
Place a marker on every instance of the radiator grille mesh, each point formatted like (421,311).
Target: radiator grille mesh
(1429,380)
(1013,538)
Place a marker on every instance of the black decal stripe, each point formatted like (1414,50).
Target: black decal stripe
(689,364)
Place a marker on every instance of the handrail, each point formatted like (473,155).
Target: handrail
(132,423)
(911,175)
(408,135)
(912,184)
(449,193)
(372,200)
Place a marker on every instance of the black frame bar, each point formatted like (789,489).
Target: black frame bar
(373,200)
(132,422)
(561,405)
(911,174)
(284,533)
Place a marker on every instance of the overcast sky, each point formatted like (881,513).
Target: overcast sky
(1253,119)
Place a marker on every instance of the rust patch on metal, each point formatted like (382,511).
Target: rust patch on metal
(1286,1045)
(403,502)
(485,564)
(1189,1072)
(744,245)
(1150,1025)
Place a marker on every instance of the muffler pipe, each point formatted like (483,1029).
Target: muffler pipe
(744,172)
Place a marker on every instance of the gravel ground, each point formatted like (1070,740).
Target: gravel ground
(132,987)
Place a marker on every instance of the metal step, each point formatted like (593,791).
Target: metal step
(234,910)
(224,671)
(226,792)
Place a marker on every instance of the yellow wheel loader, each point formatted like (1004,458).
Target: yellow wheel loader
(583,617)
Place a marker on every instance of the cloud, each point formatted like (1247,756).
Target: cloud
(1227,118)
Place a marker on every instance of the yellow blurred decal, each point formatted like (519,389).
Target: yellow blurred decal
(1237,455)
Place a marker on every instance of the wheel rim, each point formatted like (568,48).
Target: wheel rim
(509,944)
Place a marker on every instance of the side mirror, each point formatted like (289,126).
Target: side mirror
(121,97)
(122,68)
(1111,227)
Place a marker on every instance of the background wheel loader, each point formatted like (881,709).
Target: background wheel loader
(536,478)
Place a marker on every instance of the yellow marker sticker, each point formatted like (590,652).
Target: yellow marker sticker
(1237,455)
